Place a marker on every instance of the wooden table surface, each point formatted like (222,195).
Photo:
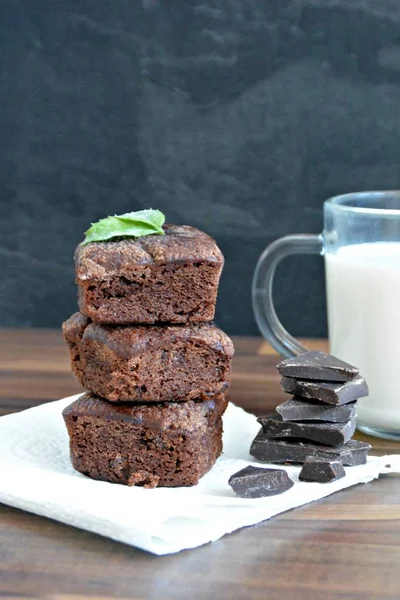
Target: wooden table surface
(345,546)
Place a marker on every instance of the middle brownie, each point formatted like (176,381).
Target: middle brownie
(149,363)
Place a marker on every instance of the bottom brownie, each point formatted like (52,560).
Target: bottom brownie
(165,444)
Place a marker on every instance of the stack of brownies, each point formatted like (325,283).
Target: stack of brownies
(155,367)
(315,427)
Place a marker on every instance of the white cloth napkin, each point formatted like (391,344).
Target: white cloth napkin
(36,475)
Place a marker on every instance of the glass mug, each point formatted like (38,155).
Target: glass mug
(361,247)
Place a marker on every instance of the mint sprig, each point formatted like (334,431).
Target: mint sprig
(133,224)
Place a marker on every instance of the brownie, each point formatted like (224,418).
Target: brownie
(149,363)
(171,278)
(166,444)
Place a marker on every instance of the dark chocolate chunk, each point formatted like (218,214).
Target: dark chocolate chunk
(330,393)
(297,409)
(321,471)
(281,451)
(317,365)
(331,434)
(254,482)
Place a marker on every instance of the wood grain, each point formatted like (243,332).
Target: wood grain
(346,546)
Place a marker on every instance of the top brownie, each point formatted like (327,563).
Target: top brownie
(171,278)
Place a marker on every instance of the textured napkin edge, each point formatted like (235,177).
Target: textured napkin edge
(372,470)
(204,516)
(163,540)
(218,520)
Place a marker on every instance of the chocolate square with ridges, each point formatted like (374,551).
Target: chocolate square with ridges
(317,365)
(321,470)
(298,409)
(254,482)
(329,393)
(330,434)
(296,451)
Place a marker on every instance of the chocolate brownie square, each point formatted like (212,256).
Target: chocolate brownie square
(167,444)
(156,278)
(149,363)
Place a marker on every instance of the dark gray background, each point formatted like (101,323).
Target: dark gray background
(237,116)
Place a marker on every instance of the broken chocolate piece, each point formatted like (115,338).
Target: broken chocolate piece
(254,482)
(298,409)
(317,365)
(331,434)
(281,451)
(330,393)
(321,471)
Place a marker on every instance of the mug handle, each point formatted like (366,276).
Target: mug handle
(263,305)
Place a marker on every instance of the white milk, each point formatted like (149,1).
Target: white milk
(363,290)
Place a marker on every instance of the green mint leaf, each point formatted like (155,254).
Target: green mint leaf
(133,224)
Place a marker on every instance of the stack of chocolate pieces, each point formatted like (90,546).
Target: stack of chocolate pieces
(155,366)
(316,425)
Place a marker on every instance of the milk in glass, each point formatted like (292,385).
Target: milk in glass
(363,294)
